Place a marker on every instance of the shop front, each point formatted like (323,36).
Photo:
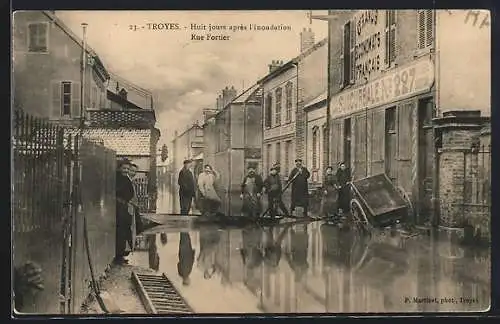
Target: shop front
(384,126)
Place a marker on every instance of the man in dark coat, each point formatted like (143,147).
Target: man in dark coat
(343,179)
(273,189)
(300,194)
(186,258)
(124,212)
(187,187)
(251,190)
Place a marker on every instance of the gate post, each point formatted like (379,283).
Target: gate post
(457,128)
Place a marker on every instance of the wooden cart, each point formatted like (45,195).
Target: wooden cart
(377,203)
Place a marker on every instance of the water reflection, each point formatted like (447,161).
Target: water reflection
(186,258)
(318,268)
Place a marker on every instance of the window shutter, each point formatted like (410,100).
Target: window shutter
(392,37)
(75,99)
(387,30)
(352,46)
(56,109)
(341,79)
(421,28)
(429,27)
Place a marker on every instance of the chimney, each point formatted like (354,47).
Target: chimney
(274,65)
(228,94)
(218,105)
(306,39)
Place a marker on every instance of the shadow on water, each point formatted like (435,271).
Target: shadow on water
(318,268)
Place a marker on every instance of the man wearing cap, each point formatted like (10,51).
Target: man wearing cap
(300,194)
(187,187)
(251,189)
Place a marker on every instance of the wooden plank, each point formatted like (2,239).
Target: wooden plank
(146,301)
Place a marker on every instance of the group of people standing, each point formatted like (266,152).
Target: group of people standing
(336,192)
(128,220)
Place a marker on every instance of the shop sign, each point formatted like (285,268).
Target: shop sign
(394,85)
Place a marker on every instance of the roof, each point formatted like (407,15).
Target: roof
(120,79)
(109,118)
(248,94)
(78,40)
(126,142)
(315,101)
(293,61)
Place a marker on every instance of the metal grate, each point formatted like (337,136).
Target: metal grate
(159,295)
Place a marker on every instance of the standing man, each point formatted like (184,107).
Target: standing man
(187,187)
(134,205)
(251,189)
(273,187)
(343,179)
(124,194)
(300,194)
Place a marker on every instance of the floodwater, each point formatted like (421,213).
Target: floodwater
(315,268)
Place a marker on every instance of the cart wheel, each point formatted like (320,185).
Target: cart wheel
(359,215)
(405,196)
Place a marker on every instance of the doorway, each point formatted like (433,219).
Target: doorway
(390,144)
(425,159)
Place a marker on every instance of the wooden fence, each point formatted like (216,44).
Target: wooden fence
(58,179)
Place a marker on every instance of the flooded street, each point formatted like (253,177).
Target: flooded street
(314,268)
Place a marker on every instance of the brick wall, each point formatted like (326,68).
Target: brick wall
(459,183)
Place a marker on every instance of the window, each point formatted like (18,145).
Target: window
(390,120)
(288,150)
(390,37)
(425,29)
(66,98)
(268,110)
(38,37)
(315,146)
(278,152)
(288,101)
(277,119)
(347,53)
(199,132)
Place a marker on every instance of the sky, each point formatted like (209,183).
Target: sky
(187,75)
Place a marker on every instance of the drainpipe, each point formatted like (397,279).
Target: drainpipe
(326,146)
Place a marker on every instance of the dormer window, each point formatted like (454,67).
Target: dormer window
(123,93)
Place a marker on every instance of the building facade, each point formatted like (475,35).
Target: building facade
(287,89)
(47,63)
(388,82)
(234,138)
(311,128)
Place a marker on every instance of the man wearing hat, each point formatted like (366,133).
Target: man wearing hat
(251,189)
(273,187)
(300,194)
(124,214)
(187,187)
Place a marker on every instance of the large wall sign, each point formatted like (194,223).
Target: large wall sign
(369,43)
(394,85)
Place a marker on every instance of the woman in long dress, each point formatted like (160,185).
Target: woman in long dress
(209,197)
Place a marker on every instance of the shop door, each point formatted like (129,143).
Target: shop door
(425,159)
(390,143)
